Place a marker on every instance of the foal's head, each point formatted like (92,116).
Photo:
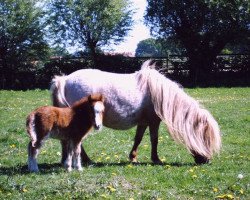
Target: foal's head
(97,104)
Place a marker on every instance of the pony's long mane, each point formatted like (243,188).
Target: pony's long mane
(188,123)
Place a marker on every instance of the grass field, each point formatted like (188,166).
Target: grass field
(113,176)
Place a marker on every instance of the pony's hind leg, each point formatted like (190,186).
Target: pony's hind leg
(138,137)
(153,129)
(32,156)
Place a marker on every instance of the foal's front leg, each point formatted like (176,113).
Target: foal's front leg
(77,157)
(69,157)
(84,157)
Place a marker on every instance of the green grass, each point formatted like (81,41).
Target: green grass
(113,176)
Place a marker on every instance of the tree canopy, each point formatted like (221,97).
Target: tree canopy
(21,31)
(21,34)
(204,27)
(158,47)
(90,24)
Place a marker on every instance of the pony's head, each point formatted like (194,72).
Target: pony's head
(97,104)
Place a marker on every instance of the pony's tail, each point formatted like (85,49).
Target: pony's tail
(31,128)
(57,92)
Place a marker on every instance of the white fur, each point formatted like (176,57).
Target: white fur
(134,99)
(98,109)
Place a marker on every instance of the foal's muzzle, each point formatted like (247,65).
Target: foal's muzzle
(98,127)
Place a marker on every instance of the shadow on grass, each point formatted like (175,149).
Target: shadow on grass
(58,168)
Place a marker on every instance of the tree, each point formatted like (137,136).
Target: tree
(90,23)
(148,47)
(21,35)
(204,27)
(158,47)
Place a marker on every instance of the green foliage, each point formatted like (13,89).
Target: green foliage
(204,27)
(112,176)
(21,31)
(21,38)
(158,47)
(90,23)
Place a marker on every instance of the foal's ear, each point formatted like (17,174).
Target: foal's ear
(96,97)
(102,98)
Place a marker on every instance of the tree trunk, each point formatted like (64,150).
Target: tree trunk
(200,69)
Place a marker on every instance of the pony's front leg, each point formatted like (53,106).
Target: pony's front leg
(64,145)
(138,137)
(77,157)
(32,157)
(153,129)
(84,156)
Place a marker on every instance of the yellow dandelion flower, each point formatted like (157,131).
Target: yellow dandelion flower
(191,170)
(116,156)
(114,174)
(168,166)
(194,176)
(111,188)
(230,196)
(215,189)
(103,196)
(129,166)
(107,158)
(131,199)
(12,146)
(43,151)
(241,191)
(25,190)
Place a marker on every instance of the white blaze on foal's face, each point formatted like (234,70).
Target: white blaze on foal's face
(98,114)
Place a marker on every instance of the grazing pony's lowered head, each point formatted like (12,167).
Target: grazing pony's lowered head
(97,104)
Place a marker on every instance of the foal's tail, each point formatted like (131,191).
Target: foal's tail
(57,92)
(31,128)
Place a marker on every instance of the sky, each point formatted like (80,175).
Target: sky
(139,31)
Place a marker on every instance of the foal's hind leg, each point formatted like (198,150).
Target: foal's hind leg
(32,157)
(138,137)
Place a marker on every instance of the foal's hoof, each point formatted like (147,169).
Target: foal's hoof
(69,169)
(200,160)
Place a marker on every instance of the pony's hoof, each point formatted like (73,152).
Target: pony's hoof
(157,162)
(87,162)
(200,160)
(33,169)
